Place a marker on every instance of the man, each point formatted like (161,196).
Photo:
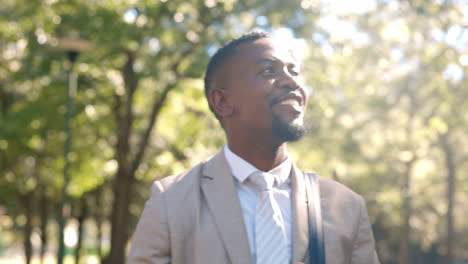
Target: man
(248,204)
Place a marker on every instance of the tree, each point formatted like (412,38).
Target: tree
(387,111)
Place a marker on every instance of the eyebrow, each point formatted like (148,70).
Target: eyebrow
(274,60)
(267,59)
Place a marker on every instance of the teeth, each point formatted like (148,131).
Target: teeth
(291,102)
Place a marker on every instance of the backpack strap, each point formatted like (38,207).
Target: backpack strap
(316,237)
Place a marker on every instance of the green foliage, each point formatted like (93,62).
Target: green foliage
(383,95)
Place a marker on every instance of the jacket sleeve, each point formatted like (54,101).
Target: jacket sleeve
(364,246)
(151,241)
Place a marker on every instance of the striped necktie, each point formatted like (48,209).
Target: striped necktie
(270,236)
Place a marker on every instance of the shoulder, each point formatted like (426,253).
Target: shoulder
(190,179)
(339,194)
(345,214)
(342,207)
(329,185)
(178,182)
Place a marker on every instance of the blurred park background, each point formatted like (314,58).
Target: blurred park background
(388,114)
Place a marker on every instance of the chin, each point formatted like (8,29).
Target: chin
(287,131)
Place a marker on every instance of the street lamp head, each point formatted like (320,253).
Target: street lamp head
(73,45)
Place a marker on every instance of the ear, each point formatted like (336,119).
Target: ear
(221,103)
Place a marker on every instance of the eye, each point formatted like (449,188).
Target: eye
(294,70)
(268,71)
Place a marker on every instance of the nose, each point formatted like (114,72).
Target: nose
(288,83)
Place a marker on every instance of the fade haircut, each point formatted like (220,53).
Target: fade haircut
(223,55)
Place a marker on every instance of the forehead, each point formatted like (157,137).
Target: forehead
(261,49)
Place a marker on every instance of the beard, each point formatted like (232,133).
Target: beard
(286,131)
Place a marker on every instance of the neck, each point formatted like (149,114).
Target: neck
(263,156)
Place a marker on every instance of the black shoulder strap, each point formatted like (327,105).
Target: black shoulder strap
(316,237)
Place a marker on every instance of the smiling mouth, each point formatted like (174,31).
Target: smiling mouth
(293,101)
(290,102)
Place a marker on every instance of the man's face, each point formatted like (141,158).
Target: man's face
(262,79)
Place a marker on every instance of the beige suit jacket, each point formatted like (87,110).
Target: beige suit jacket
(195,217)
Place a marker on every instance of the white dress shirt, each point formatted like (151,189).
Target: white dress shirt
(248,194)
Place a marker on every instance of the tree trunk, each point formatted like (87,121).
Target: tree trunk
(27,231)
(99,239)
(120,218)
(43,225)
(99,218)
(406,210)
(81,218)
(124,178)
(404,252)
(451,179)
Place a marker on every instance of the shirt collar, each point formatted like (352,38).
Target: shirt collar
(241,169)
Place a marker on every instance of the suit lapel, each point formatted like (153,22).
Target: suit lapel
(300,224)
(221,196)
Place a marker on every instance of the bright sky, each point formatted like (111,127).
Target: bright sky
(341,7)
(342,30)
(285,37)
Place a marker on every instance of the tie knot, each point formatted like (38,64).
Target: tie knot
(262,180)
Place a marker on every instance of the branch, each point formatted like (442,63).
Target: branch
(125,117)
(129,78)
(117,106)
(131,83)
(157,106)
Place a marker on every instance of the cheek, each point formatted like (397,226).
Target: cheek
(265,82)
(252,94)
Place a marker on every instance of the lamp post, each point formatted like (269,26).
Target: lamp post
(72,46)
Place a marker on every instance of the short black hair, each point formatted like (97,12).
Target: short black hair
(223,54)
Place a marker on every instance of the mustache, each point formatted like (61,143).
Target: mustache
(274,99)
